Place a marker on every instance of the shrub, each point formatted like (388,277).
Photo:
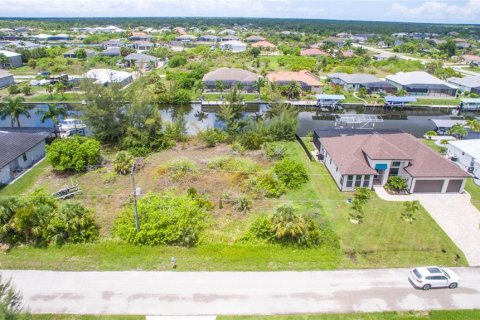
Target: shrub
(443,150)
(165,218)
(252,140)
(182,168)
(233,164)
(177,61)
(266,184)
(431,134)
(274,150)
(74,154)
(27,90)
(396,183)
(444,141)
(292,173)
(211,137)
(123,162)
(13,89)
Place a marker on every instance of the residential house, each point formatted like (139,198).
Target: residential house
(465,84)
(143,45)
(471,59)
(466,153)
(307,80)
(233,46)
(264,45)
(384,56)
(107,76)
(229,38)
(6,79)
(361,80)
(111,52)
(227,32)
(209,38)
(443,125)
(313,52)
(114,43)
(470,103)
(142,61)
(254,38)
(72,53)
(139,36)
(338,42)
(21,148)
(420,83)
(186,38)
(230,77)
(369,159)
(14,59)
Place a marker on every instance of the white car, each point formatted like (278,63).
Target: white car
(433,277)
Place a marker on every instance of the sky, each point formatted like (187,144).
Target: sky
(441,11)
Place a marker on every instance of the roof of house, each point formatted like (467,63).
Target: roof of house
(9,54)
(107,75)
(144,43)
(342,132)
(74,50)
(5,74)
(140,57)
(231,74)
(114,50)
(13,144)
(263,44)
(471,57)
(417,77)
(300,76)
(313,52)
(447,123)
(469,81)
(349,154)
(233,43)
(255,38)
(470,147)
(355,78)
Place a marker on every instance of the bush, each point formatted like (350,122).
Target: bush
(274,150)
(266,184)
(292,173)
(177,61)
(165,218)
(211,137)
(38,220)
(431,134)
(252,140)
(238,165)
(74,154)
(13,89)
(123,162)
(396,183)
(180,169)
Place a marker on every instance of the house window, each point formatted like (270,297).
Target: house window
(358,181)
(366,181)
(395,168)
(350,181)
(24,157)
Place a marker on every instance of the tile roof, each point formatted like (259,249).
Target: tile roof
(231,74)
(13,144)
(263,44)
(313,52)
(300,76)
(349,154)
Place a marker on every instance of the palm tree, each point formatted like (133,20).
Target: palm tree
(293,89)
(49,88)
(52,112)
(287,223)
(458,131)
(220,86)
(411,207)
(14,108)
(60,88)
(259,84)
(474,125)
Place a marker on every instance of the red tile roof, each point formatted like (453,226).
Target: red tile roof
(349,154)
(313,52)
(263,44)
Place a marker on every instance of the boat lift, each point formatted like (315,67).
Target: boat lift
(357,121)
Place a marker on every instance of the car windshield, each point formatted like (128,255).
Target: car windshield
(417,274)
(446,274)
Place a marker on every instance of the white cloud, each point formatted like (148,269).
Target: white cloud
(441,11)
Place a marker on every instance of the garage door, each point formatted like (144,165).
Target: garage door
(454,185)
(428,186)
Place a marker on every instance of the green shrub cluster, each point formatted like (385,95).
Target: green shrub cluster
(287,226)
(396,183)
(123,162)
(274,150)
(182,168)
(39,219)
(74,154)
(165,218)
(291,173)
(211,137)
(233,164)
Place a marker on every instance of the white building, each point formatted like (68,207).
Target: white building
(467,154)
(106,76)
(6,79)
(14,59)
(21,148)
(465,84)
(421,83)
(233,46)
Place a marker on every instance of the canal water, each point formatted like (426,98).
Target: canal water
(199,118)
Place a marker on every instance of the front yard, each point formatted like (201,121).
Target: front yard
(383,240)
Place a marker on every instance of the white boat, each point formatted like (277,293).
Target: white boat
(71,126)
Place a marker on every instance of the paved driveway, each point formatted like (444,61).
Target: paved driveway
(456,216)
(218,293)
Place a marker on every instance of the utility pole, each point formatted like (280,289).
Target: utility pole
(135,212)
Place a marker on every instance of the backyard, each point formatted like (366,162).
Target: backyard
(383,240)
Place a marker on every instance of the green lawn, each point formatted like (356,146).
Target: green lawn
(82,317)
(55,97)
(217,96)
(427,315)
(383,240)
(437,102)
(431,144)
(474,191)
(474,69)
(25,183)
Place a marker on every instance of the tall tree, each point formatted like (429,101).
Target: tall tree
(14,108)
(220,86)
(259,84)
(458,131)
(53,112)
(474,125)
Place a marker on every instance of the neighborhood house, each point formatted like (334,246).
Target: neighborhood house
(307,80)
(369,159)
(467,154)
(230,77)
(420,83)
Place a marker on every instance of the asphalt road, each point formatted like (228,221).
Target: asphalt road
(222,293)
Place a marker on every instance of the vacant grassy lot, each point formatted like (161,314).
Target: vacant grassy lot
(430,315)
(383,240)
